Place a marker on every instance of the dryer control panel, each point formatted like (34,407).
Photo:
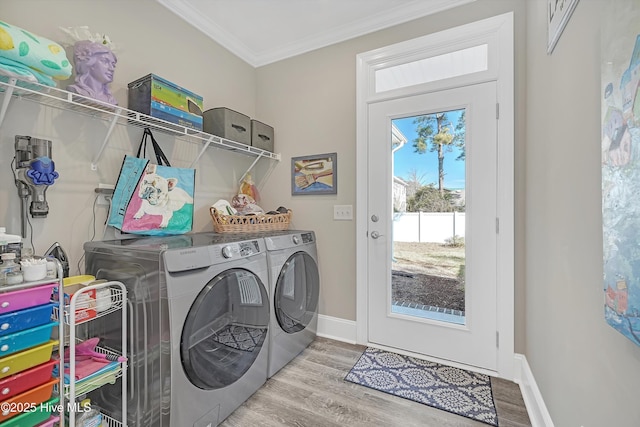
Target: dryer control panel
(289,240)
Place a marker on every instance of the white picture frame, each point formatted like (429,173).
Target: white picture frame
(558,14)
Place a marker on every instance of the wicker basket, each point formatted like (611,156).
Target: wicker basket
(248,223)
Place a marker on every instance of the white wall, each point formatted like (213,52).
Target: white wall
(587,372)
(310,99)
(149,39)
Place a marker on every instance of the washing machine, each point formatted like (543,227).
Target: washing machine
(199,325)
(294,287)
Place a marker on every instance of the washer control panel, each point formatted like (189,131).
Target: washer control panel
(187,259)
(204,256)
(240,249)
(227,252)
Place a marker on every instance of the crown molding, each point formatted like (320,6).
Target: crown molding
(397,15)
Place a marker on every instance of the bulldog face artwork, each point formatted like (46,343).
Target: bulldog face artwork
(160,196)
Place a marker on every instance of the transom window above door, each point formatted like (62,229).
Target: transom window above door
(439,67)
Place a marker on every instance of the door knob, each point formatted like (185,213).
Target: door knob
(375,234)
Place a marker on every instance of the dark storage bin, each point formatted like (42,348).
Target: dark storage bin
(156,97)
(228,124)
(261,136)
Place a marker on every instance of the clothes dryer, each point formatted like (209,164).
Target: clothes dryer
(199,325)
(294,285)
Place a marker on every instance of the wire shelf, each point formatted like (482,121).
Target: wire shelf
(110,422)
(62,99)
(93,308)
(90,383)
(87,386)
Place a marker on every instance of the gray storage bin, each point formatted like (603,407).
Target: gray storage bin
(227,124)
(261,136)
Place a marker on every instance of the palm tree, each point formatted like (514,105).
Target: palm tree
(436,133)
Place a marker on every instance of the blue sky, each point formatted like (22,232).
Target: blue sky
(427,164)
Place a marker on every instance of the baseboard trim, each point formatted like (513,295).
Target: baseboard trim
(337,329)
(538,413)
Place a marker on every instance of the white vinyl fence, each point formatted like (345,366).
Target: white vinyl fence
(427,226)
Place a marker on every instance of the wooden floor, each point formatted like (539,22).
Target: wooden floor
(311,392)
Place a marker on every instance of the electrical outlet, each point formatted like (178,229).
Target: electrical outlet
(105,191)
(342,212)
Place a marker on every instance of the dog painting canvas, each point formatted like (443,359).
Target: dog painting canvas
(160,203)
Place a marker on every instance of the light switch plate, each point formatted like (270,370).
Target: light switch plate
(343,212)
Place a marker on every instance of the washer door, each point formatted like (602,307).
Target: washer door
(296,292)
(225,329)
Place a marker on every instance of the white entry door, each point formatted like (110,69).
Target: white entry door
(469,337)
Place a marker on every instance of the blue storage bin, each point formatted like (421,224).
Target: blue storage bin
(17,321)
(25,339)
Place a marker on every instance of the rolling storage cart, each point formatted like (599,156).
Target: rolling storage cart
(27,383)
(87,365)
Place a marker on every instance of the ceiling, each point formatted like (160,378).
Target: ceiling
(265,31)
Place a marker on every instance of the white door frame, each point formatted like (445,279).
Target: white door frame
(497,33)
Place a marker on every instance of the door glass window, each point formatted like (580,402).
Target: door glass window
(297,292)
(429,222)
(225,329)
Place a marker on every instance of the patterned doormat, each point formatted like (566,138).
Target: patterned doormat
(444,387)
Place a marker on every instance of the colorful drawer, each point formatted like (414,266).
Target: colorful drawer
(17,321)
(23,381)
(29,419)
(23,340)
(25,298)
(30,400)
(53,420)
(26,359)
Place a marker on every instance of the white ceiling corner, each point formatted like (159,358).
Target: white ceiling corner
(264,31)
